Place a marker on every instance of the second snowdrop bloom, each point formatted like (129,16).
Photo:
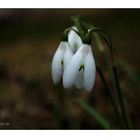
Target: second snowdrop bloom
(81,69)
(60,60)
(74,39)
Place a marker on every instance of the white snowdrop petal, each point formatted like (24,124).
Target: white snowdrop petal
(74,40)
(67,55)
(70,72)
(57,68)
(89,72)
(79,80)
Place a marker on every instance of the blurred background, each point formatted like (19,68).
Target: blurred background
(28,41)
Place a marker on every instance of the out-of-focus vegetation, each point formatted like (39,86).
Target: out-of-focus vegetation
(29,99)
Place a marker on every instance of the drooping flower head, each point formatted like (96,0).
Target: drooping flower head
(74,61)
(61,58)
(81,69)
(70,43)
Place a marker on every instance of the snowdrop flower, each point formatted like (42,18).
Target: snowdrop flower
(74,39)
(81,70)
(60,60)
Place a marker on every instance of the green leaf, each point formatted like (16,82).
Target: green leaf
(96,115)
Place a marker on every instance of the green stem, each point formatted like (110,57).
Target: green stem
(109,43)
(109,94)
(76,20)
(124,113)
